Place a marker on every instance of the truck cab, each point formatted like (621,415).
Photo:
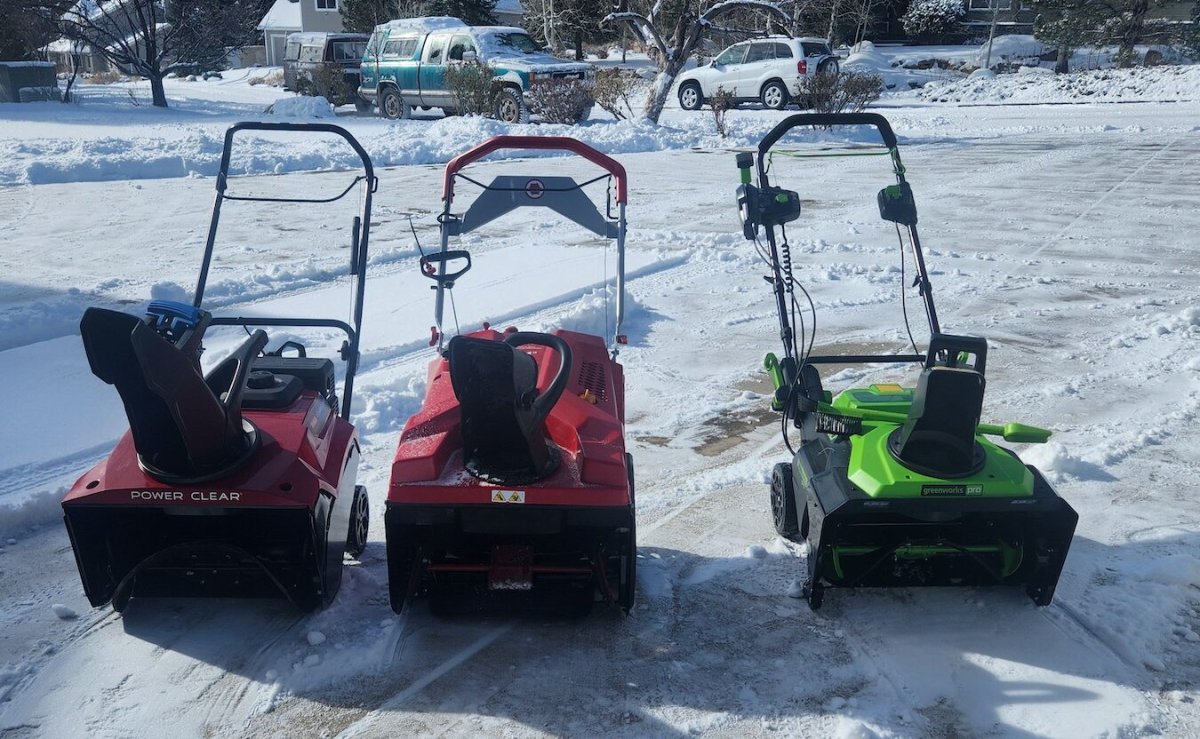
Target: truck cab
(404,65)
(325,64)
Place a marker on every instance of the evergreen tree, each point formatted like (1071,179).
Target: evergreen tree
(471,12)
(1067,25)
(208,29)
(28,25)
(361,16)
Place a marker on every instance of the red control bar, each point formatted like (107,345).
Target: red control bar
(561,143)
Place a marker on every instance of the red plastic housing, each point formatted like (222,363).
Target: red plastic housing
(586,425)
(302,449)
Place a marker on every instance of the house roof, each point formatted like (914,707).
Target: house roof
(284,15)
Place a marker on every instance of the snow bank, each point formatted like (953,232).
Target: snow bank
(1106,85)
(1011,48)
(46,161)
(301,107)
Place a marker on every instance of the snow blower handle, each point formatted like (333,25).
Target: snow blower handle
(1017,433)
(546,400)
(552,143)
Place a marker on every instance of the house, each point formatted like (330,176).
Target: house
(1014,16)
(293,16)
(509,12)
(109,21)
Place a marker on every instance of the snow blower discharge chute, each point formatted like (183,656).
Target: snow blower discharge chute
(891,485)
(513,475)
(240,482)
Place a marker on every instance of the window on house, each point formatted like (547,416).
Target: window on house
(987,4)
(327,4)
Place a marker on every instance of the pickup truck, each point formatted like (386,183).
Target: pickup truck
(404,65)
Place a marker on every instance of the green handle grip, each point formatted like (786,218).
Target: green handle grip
(1017,433)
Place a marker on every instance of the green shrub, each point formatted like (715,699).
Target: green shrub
(474,87)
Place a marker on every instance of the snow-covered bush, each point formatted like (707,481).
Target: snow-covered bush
(615,90)
(934,21)
(561,101)
(720,102)
(848,92)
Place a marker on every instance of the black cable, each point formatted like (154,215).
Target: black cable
(416,239)
(903,287)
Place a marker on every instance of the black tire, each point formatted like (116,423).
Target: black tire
(626,591)
(510,106)
(829,66)
(392,105)
(814,593)
(360,523)
(774,95)
(783,503)
(690,96)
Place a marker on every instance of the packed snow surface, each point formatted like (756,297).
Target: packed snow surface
(1063,234)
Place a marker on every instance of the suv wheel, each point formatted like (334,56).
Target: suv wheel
(510,106)
(392,105)
(690,96)
(829,66)
(774,95)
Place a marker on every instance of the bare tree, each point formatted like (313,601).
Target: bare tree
(674,28)
(136,36)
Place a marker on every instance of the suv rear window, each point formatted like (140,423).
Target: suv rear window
(310,53)
(811,49)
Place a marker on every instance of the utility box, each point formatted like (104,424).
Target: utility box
(38,77)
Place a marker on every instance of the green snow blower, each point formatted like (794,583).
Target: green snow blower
(892,485)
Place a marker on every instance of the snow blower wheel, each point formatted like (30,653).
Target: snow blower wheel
(892,485)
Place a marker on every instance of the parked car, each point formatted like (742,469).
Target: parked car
(767,70)
(405,65)
(325,64)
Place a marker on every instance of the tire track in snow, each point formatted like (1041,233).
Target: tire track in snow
(398,700)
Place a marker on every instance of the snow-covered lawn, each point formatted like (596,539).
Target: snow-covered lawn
(1064,234)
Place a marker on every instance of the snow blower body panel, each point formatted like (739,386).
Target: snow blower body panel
(239,482)
(514,475)
(893,485)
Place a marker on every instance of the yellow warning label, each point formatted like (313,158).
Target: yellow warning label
(887,389)
(508,496)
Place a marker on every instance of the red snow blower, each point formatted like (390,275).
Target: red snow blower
(239,482)
(513,476)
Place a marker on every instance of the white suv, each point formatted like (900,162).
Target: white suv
(766,70)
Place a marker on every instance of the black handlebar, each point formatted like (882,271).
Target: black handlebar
(545,402)
(293,127)
(827,119)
